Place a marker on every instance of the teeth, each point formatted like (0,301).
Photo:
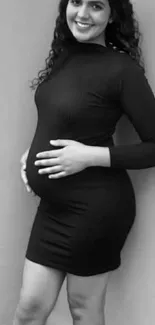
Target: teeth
(83,24)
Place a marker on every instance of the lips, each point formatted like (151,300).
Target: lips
(82,25)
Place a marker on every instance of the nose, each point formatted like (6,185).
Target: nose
(83,12)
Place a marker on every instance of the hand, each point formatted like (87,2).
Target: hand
(23,170)
(70,159)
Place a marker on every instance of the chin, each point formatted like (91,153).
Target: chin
(82,38)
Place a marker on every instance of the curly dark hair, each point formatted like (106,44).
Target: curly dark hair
(122,34)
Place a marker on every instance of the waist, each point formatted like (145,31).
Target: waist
(97,140)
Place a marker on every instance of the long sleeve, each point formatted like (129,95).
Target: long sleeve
(138,103)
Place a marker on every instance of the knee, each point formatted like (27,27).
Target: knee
(82,306)
(30,308)
(78,305)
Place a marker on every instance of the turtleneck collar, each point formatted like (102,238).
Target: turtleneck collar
(86,46)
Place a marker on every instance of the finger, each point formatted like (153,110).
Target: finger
(28,188)
(58,175)
(24,157)
(24,167)
(24,178)
(56,169)
(60,142)
(50,170)
(49,153)
(47,162)
(22,160)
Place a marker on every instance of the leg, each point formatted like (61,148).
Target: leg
(86,298)
(39,292)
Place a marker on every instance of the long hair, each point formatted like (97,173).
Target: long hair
(122,34)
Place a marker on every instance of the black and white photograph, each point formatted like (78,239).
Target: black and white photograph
(77,176)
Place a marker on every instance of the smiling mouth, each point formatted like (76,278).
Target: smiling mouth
(83,25)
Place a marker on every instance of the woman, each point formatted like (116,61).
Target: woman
(93,76)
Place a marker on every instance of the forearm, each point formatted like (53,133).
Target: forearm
(98,156)
(135,156)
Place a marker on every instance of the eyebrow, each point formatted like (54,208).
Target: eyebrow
(101,2)
(97,1)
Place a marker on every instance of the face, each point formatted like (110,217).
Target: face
(87,19)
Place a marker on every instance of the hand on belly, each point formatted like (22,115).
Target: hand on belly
(73,157)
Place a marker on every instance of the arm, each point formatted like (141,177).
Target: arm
(138,103)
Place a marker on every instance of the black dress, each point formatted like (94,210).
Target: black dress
(83,219)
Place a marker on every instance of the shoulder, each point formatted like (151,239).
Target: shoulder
(123,61)
(126,68)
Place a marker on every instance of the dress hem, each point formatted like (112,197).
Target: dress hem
(66,269)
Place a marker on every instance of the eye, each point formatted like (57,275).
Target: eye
(96,7)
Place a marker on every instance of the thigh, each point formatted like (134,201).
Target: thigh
(41,285)
(86,291)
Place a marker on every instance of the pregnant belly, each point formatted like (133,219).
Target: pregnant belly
(109,180)
(40,184)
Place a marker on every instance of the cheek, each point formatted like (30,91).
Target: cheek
(102,20)
(70,14)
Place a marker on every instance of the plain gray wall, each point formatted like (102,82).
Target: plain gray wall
(26,33)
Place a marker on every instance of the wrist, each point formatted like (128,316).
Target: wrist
(98,156)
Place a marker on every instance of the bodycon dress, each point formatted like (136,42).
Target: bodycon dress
(83,219)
